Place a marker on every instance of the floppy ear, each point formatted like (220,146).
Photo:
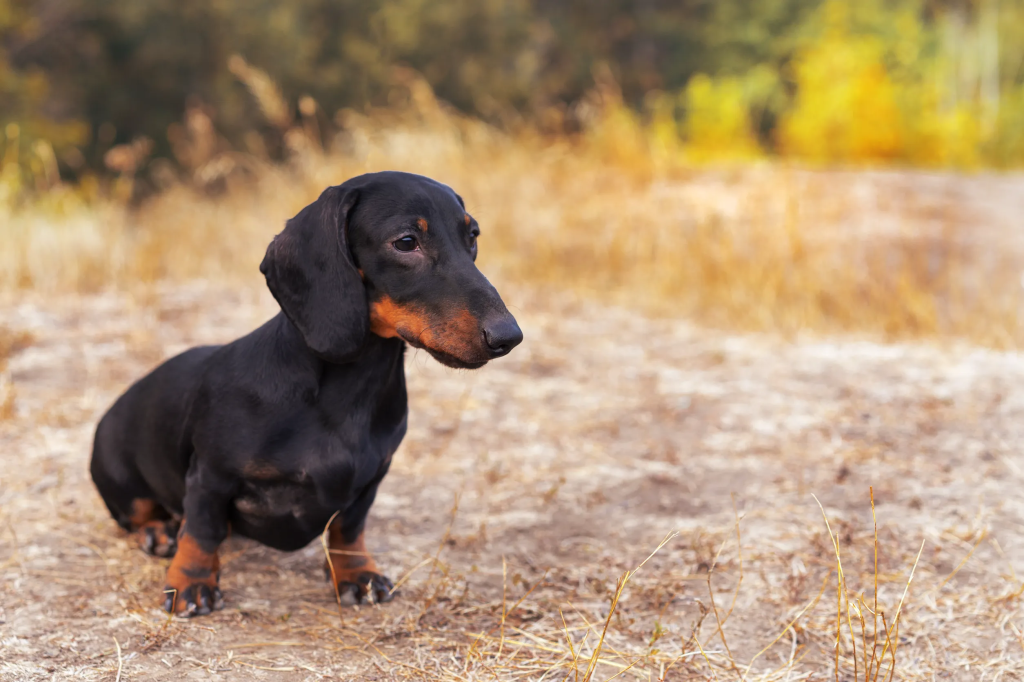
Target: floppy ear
(310,271)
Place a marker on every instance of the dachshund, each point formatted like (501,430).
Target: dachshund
(289,430)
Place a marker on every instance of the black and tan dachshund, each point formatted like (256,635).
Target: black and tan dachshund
(273,435)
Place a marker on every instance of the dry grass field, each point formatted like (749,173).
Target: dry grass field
(633,492)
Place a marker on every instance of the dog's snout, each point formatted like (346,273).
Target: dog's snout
(502,336)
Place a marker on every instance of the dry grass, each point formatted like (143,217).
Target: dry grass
(755,247)
(570,464)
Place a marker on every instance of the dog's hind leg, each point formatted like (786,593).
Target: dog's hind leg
(135,510)
(154,527)
(130,500)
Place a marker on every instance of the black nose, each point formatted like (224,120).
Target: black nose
(502,336)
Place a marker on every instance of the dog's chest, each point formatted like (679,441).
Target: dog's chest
(320,454)
(267,492)
(285,509)
(317,470)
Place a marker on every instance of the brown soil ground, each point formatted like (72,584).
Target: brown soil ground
(571,460)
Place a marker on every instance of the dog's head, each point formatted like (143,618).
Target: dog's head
(390,254)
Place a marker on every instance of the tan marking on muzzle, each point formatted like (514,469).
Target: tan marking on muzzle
(455,334)
(388,317)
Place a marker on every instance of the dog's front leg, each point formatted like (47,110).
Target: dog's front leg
(193,578)
(352,568)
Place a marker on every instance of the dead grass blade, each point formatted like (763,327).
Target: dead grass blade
(120,661)
(619,587)
(506,612)
(810,605)
(707,660)
(891,638)
(330,564)
(874,611)
(572,650)
(841,592)
(982,536)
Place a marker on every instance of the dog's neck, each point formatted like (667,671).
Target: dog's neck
(291,344)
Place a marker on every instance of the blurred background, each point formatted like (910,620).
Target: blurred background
(745,163)
(759,249)
(933,83)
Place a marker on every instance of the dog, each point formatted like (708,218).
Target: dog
(289,430)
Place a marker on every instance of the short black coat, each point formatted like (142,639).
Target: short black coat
(275,433)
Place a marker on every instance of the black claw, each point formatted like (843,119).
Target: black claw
(383,590)
(349,594)
(205,600)
(194,600)
(172,545)
(370,587)
(165,547)
(149,544)
(381,587)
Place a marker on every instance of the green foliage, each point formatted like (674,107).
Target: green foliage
(90,75)
(32,121)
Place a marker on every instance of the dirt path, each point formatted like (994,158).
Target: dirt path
(571,460)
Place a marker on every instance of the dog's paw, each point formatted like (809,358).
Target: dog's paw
(363,587)
(159,538)
(193,579)
(198,599)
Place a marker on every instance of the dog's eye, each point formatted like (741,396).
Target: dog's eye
(406,244)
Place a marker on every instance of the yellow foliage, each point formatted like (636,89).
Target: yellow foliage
(715,128)
(943,138)
(864,93)
(860,99)
(717,123)
(846,104)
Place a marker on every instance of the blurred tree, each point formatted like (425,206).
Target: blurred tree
(130,68)
(36,104)
(94,74)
